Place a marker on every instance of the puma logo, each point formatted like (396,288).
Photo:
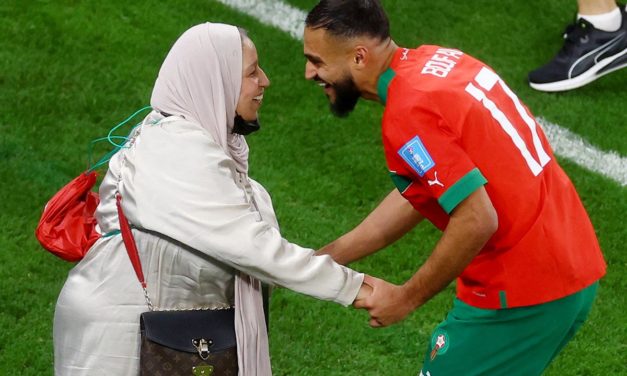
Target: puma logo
(435,181)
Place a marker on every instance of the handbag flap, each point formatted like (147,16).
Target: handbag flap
(177,329)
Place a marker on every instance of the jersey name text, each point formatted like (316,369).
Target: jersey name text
(441,64)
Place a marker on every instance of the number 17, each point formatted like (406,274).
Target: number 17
(486,79)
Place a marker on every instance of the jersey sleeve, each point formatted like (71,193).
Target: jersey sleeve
(422,148)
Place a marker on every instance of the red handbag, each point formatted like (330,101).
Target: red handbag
(67,227)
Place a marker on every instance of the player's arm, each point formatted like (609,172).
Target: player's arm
(389,221)
(471,225)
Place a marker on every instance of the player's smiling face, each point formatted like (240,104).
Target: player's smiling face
(327,64)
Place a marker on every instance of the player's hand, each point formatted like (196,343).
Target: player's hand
(387,304)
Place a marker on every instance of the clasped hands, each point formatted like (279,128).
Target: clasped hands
(385,302)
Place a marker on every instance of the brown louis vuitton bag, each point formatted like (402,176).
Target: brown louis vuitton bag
(188,343)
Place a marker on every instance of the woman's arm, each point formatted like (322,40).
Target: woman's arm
(178,182)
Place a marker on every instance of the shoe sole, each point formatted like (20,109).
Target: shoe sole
(586,77)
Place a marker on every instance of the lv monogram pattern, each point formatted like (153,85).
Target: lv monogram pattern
(158,360)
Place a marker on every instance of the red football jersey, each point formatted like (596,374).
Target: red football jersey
(450,126)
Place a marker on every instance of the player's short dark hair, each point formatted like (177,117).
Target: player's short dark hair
(350,18)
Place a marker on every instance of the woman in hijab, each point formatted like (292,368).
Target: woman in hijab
(206,232)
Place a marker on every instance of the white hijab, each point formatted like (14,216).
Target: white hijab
(200,81)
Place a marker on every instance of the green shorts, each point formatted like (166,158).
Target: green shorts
(515,341)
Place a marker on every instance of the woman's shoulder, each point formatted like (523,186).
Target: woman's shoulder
(179,133)
(174,140)
(176,125)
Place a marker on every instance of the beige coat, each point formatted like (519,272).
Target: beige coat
(200,222)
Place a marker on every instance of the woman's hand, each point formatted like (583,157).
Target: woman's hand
(364,291)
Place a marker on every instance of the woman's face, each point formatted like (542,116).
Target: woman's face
(254,82)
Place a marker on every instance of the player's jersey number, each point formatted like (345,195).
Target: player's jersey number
(485,80)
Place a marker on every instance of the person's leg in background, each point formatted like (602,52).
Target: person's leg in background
(595,45)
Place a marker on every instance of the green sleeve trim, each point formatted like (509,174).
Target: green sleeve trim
(461,189)
(401,182)
(383,83)
(503,299)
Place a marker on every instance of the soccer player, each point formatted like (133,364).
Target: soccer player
(466,154)
(594,45)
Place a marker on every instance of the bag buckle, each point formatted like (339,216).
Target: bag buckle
(202,345)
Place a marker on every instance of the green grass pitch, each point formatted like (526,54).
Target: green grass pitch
(69,70)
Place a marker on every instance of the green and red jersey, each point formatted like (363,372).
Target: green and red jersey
(450,126)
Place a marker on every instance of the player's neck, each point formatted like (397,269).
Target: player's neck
(383,59)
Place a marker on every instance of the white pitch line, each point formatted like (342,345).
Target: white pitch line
(564,142)
(574,148)
(272,12)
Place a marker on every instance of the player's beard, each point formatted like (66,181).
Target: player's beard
(346,96)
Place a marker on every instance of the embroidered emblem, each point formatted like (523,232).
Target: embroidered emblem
(416,156)
(439,343)
(435,181)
